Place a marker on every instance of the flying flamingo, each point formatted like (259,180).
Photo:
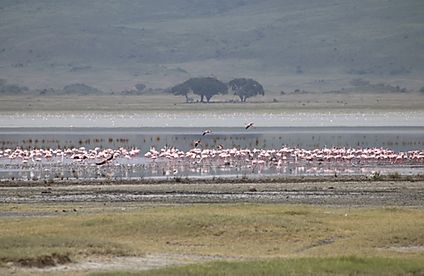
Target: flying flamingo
(206,131)
(249,125)
(196,143)
(105,160)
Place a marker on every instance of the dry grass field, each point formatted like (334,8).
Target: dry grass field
(239,238)
(269,103)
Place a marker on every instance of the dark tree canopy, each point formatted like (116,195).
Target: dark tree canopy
(246,88)
(6,88)
(204,87)
(181,89)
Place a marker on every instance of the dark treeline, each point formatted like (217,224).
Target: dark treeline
(208,87)
(203,87)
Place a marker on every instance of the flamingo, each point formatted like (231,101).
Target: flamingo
(196,143)
(105,160)
(249,125)
(206,131)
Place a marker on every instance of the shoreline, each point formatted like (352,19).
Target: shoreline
(215,180)
(321,191)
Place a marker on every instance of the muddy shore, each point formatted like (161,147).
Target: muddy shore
(344,191)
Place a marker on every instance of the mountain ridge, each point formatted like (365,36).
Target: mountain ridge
(114,44)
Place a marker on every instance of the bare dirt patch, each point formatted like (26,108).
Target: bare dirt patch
(322,191)
(407,249)
(104,264)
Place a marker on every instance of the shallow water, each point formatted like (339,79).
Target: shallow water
(396,138)
(161,171)
(399,131)
(138,168)
(211,119)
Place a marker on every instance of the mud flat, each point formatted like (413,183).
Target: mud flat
(343,191)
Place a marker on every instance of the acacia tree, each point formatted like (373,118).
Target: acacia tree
(246,88)
(204,87)
(181,90)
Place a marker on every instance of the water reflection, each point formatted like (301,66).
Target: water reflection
(142,168)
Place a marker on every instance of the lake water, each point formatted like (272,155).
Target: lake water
(399,131)
(211,119)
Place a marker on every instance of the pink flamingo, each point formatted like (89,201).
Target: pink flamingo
(249,125)
(206,131)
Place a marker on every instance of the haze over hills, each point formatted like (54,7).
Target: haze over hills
(284,44)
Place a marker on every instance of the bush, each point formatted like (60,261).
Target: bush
(79,88)
(359,82)
(140,87)
(6,88)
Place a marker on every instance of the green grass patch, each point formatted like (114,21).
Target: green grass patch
(228,230)
(300,266)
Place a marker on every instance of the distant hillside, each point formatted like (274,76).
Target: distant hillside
(289,44)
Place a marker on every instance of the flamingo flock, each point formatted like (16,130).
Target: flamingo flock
(278,157)
(76,163)
(170,160)
(100,156)
(219,155)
